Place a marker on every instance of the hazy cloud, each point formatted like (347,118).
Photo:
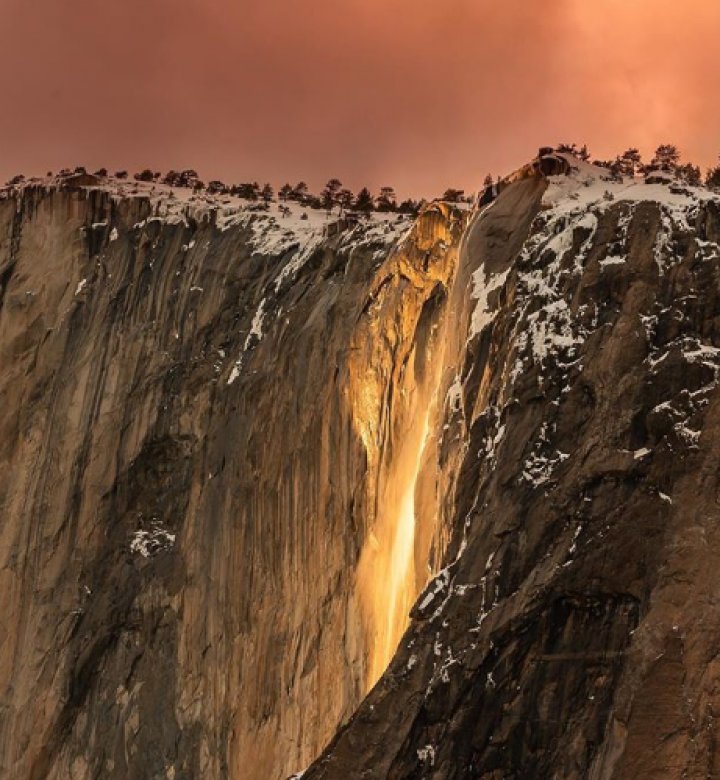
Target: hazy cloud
(422,95)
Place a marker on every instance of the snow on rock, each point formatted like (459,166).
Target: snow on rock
(149,543)
(235,372)
(295,240)
(613,260)
(291,268)
(550,327)
(438,585)
(252,339)
(275,228)
(538,469)
(483,287)
(454,395)
(427,755)
(256,328)
(590,187)
(591,190)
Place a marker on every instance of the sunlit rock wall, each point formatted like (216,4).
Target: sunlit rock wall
(201,410)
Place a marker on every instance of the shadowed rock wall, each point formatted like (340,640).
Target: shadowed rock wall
(572,630)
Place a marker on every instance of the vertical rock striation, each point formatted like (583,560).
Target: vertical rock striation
(237,449)
(571,632)
(193,460)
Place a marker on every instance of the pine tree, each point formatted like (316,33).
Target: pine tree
(285,192)
(582,152)
(267,193)
(690,174)
(144,175)
(713,177)
(247,190)
(345,199)
(567,149)
(628,163)
(667,157)
(189,178)
(364,201)
(329,195)
(387,200)
(300,191)
(409,206)
(453,196)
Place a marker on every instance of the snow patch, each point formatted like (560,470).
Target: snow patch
(150,543)
(483,287)
(427,755)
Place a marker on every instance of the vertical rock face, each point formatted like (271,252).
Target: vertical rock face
(236,451)
(571,632)
(200,406)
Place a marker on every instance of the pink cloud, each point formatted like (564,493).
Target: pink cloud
(419,95)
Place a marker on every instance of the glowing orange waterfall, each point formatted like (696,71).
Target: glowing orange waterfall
(399,577)
(395,373)
(388,567)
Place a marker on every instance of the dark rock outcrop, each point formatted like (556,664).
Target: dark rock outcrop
(571,632)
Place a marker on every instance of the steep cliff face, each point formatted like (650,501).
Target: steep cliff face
(238,450)
(572,631)
(188,478)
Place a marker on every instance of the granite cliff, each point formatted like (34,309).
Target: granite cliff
(403,499)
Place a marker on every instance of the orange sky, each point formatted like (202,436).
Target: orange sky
(421,95)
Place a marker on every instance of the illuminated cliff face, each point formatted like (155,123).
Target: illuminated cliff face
(394,375)
(194,366)
(245,399)
(230,466)
(390,557)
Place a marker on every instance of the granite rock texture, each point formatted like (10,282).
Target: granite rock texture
(237,450)
(572,631)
